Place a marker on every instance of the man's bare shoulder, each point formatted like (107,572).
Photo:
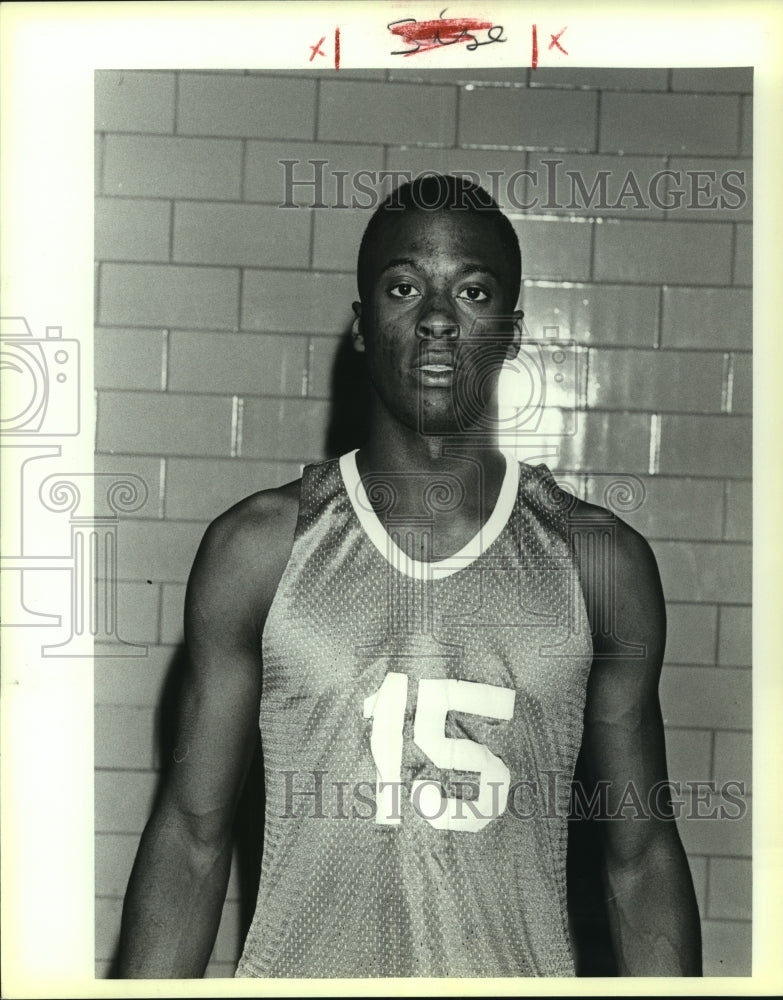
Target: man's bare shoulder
(267,517)
(620,580)
(630,547)
(244,551)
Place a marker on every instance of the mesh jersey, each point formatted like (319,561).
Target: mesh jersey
(431,713)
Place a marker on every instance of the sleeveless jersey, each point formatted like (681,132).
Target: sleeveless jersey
(420,723)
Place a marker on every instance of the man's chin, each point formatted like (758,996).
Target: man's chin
(450,422)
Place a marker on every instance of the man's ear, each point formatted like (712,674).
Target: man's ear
(356,328)
(516,335)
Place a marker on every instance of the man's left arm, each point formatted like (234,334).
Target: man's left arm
(653,914)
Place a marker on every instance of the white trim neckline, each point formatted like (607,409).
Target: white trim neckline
(438,568)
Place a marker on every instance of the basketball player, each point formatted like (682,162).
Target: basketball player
(422,625)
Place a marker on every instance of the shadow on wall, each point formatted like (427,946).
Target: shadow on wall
(348,417)
(346,430)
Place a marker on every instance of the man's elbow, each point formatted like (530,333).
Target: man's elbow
(200,842)
(651,851)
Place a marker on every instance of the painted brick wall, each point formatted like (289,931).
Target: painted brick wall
(219,316)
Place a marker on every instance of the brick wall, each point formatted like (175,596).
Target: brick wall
(219,317)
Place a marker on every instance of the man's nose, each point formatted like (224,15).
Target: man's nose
(437,322)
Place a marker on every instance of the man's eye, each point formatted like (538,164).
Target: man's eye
(473,293)
(403,290)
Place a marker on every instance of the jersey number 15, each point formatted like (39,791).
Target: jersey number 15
(436,697)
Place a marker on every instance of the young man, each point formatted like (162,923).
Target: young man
(430,639)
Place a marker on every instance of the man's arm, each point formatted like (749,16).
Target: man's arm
(653,915)
(178,884)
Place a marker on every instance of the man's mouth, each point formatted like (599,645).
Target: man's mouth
(435,368)
(438,369)
(436,362)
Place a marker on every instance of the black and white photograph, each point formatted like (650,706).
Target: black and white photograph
(414,573)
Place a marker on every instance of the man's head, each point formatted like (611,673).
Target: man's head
(432,193)
(439,275)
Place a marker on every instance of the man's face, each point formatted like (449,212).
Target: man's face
(438,323)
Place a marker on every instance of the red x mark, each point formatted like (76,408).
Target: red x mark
(554,41)
(315,50)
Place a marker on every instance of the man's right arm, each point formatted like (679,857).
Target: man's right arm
(178,884)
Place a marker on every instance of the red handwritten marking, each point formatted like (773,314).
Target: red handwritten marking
(431,34)
(315,50)
(337,48)
(534,57)
(555,41)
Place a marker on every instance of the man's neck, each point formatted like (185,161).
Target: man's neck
(433,454)
(468,467)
